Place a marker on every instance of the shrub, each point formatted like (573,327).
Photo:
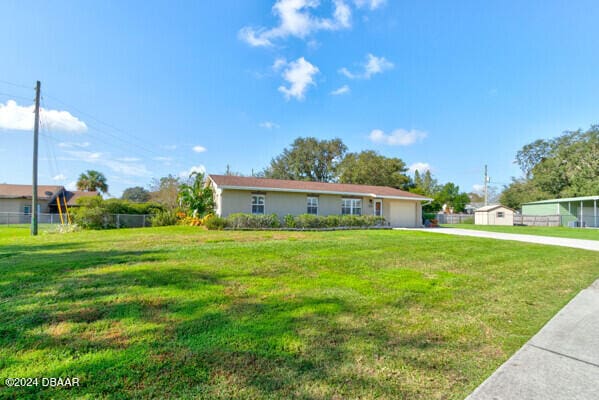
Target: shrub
(241,220)
(289,221)
(303,221)
(164,218)
(215,223)
(92,218)
(97,213)
(310,221)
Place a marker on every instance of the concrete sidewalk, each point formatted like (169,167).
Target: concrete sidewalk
(559,362)
(553,241)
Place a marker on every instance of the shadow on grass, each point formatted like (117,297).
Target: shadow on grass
(158,331)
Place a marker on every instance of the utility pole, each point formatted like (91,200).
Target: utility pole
(486,186)
(36,127)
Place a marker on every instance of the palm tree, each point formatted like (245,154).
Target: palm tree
(92,181)
(196,196)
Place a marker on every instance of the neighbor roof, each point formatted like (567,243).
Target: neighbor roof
(281,185)
(44,192)
(491,208)
(75,195)
(564,200)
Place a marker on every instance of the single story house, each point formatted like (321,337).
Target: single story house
(17,198)
(235,194)
(573,211)
(494,215)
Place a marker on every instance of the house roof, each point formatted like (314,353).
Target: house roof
(44,192)
(281,185)
(491,208)
(75,195)
(565,200)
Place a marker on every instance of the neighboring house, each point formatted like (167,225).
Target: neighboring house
(494,215)
(235,194)
(17,198)
(573,211)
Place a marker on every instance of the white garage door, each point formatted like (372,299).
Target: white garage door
(402,214)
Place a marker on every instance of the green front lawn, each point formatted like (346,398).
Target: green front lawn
(555,231)
(184,313)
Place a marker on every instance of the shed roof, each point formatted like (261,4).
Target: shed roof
(564,200)
(491,208)
(282,185)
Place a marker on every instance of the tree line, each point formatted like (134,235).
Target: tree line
(565,166)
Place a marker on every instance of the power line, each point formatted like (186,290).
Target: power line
(98,120)
(17,85)
(16,96)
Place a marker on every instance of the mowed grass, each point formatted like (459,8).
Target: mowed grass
(185,313)
(554,231)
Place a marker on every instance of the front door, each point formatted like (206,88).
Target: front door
(378,208)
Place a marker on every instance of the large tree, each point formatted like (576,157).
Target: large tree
(136,194)
(450,195)
(166,191)
(92,181)
(565,166)
(308,159)
(370,168)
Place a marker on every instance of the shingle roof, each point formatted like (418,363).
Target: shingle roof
(44,192)
(75,195)
(251,183)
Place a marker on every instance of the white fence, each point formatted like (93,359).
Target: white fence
(111,220)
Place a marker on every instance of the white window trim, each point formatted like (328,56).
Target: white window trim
(309,206)
(352,206)
(263,205)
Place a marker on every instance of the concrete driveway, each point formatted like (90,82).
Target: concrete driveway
(552,241)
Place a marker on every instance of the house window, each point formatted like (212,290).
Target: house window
(500,214)
(257,204)
(27,209)
(312,203)
(351,207)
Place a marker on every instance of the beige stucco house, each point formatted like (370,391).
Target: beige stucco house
(17,198)
(235,194)
(494,215)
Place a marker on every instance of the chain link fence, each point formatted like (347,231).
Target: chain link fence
(118,221)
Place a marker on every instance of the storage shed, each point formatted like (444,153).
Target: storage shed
(494,215)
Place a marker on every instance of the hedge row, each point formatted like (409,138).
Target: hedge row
(303,221)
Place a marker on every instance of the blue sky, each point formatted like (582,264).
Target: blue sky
(451,85)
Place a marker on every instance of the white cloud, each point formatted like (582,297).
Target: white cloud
(373,65)
(296,19)
(300,75)
(116,165)
(268,125)
(160,158)
(128,159)
(71,186)
(199,149)
(169,146)
(59,177)
(73,144)
(197,168)
(279,63)
(20,118)
(399,137)
(342,90)
(371,4)
(420,167)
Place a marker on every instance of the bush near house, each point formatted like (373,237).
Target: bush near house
(303,221)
